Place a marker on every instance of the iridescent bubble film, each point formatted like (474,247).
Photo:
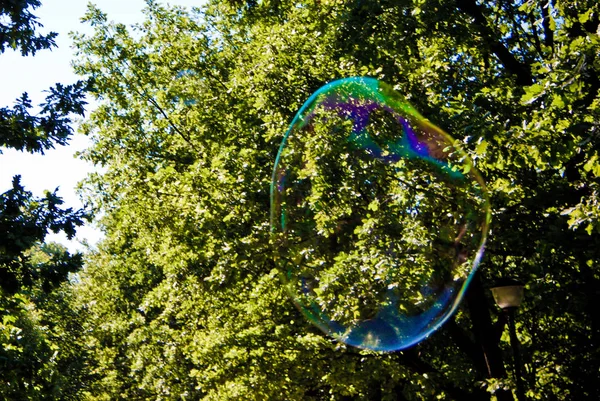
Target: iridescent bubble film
(378,217)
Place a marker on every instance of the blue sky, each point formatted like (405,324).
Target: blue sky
(58,167)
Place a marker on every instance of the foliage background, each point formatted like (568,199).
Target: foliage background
(182,300)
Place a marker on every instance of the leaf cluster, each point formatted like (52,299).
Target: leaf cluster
(184,298)
(18,28)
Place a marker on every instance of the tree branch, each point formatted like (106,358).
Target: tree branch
(142,93)
(166,116)
(508,60)
(548,33)
(467,346)
(536,37)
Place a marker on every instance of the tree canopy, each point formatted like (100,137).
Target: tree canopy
(39,354)
(183,299)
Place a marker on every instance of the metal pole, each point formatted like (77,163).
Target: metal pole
(514,342)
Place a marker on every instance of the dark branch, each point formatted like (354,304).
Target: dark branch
(166,116)
(536,38)
(467,346)
(508,60)
(142,93)
(548,33)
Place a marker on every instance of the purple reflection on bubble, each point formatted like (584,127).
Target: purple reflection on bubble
(414,144)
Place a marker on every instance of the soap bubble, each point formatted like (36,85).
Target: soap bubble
(378,218)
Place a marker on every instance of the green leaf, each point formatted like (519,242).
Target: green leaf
(592,165)
(532,93)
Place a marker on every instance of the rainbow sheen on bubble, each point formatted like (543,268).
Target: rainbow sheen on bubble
(378,217)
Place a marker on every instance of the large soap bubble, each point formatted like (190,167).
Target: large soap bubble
(378,217)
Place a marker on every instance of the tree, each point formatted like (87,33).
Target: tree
(18,128)
(18,29)
(38,328)
(184,298)
(41,356)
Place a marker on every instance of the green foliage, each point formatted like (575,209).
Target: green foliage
(19,129)
(40,355)
(18,28)
(24,223)
(183,297)
(35,133)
